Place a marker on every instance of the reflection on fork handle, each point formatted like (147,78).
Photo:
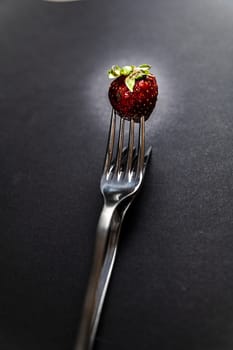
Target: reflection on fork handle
(92,302)
(107,268)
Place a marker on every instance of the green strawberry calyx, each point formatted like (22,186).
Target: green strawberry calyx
(131,72)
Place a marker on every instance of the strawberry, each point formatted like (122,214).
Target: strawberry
(134,92)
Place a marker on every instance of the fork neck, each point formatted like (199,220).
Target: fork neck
(106,215)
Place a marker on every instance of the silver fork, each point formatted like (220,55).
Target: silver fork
(120,182)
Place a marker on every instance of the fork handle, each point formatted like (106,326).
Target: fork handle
(106,271)
(108,221)
(108,263)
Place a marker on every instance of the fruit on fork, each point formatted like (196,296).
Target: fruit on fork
(133,93)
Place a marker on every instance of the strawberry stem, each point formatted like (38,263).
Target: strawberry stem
(130,72)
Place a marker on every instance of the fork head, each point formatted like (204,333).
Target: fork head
(124,167)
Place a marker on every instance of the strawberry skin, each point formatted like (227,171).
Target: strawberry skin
(133,102)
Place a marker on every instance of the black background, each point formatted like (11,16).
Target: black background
(172,286)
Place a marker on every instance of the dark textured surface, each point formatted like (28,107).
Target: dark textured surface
(173,280)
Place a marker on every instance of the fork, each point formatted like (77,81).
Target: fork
(121,180)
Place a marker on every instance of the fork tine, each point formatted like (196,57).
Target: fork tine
(124,157)
(141,146)
(120,146)
(110,144)
(130,147)
(147,157)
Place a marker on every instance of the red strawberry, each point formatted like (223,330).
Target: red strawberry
(134,92)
